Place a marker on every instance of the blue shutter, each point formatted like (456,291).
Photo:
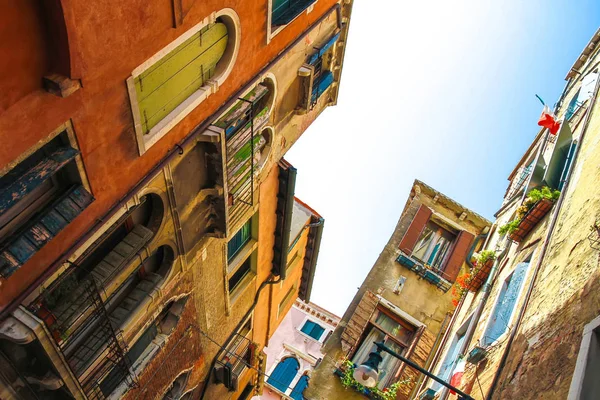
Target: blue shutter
(313,58)
(308,326)
(299,388)
(313,329)
(317,331)
(572,106)
(321,84)
(506,304)
(284,374)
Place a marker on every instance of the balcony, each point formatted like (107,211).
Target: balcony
(429,274)
(244,148)
(531,219)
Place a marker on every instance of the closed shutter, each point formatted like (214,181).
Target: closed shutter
(165,85)
(507,300)
(313,330)
(42,228)
(284,374)
(414,230)
(458,256)
(297,393)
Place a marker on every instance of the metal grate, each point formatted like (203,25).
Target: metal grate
(76,316)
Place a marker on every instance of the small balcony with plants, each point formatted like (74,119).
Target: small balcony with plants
(473,280)
(534,208)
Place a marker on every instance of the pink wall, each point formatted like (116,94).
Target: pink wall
(288,340)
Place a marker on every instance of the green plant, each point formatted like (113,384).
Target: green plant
(509,227)
(348,381)
(485,256)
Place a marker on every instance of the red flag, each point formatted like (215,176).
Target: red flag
(457,375)
(548,120)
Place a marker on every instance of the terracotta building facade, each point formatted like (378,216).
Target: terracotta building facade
(405,300)
(529,330)
(150,240)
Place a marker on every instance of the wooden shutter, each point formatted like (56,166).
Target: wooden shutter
(414,230)
(459,253)
(166,84)
(284,373)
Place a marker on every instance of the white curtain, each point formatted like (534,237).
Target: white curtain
(389,365)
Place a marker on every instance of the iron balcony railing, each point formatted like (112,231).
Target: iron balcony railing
(75,314)
(240,125)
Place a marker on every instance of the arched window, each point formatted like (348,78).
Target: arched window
(169,85)
(283,374)
(297,393)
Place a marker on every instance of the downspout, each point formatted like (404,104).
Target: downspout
(538,263)
(473,247)
(235,331)
(171,155)
(485,294)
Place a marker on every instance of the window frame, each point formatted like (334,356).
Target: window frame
(371,324)
(430,246)
(29,209)
(273,31)
(485,343)
(146,140)
(590,342)
(323,335)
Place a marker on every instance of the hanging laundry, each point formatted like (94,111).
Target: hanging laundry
(548,120)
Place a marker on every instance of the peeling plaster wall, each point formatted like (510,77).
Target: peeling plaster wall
(419,298)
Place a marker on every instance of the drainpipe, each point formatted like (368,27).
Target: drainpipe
(472,249)
(239,326)
(538,263)
(485,294)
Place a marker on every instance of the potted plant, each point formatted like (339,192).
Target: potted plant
(460,287)
(536,205)
(482,263)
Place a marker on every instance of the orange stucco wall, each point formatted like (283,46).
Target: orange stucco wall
(106,42)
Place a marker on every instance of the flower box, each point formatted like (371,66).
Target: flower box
(531,219)
(479,276)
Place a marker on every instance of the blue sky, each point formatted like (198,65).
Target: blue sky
(439,91)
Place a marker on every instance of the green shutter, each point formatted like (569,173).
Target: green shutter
(165,85)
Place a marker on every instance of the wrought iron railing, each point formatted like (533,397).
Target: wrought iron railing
(76,317)
(240,125)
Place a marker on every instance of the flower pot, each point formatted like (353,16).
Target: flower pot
(480,275)
(531,219)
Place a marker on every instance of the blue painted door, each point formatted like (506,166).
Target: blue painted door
(284,374)
(299,388)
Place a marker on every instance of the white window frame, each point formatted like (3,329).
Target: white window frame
(147,140)
(590,340)
(328,328)
(513,312)
(271,33)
